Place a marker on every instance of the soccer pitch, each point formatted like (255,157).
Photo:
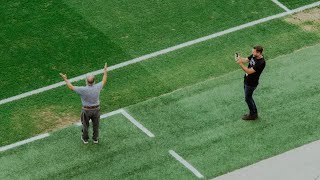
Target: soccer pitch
(190,99)
(200,122)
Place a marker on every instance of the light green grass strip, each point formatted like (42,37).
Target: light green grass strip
(203,121)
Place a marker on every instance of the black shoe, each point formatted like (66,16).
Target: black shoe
(249,117)
(84,141)
(245,115)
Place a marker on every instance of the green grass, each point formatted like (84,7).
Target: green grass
(142,81)
(146,26)
(200,122)
(292,4)
(39,39)
(124,153)
(203,121)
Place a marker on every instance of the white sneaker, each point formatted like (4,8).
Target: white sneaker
(84,142)
(95,141)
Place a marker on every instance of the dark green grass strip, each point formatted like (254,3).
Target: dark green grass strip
(133,84)
(292,4)
(147,26)
(39,39)
(42,38)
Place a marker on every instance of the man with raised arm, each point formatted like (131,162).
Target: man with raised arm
(90,104)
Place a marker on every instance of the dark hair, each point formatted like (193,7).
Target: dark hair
(258,49)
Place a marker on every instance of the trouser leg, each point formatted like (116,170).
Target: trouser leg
(85,125)
(95,122)
(249,99)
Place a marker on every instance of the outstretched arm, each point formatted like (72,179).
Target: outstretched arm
(64,76)
(104,79)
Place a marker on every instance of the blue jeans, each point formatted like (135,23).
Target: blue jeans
(248,92)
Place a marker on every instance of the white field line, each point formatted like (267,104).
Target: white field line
(161,52)
(4,148)
(129,117)
(104,115)
(111,113)
(136,123)
(281,5)
(41,136)
(186,164)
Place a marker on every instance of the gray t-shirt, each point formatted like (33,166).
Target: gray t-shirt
(89,94)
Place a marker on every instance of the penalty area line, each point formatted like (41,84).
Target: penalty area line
(41,136)
(128,117)
(186,164)
(281,5)
(26,141)
(137,124)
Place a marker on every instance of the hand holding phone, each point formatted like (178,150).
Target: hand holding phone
(236,55)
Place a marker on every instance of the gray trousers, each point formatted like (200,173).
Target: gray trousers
(94,115)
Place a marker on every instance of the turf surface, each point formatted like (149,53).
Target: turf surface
(291,4)
(190,121)
(200,122)
(40,39)
(136,83)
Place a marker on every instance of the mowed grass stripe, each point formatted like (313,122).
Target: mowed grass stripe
(167,23)
(155,54)
(123,153)
(41,39)
(44,38)
(139,82)
(204,121)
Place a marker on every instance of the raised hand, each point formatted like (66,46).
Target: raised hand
(105,67)
(64,76)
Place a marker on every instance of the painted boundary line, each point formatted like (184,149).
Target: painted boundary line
(186,164)
(4,148)
(104,116)
(281,5)
(136,123)
(119,111)
(161,52)
(129,117)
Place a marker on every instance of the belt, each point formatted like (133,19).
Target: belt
(91,107)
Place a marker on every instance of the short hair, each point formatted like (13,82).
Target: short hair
(258,49)
(90,81)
